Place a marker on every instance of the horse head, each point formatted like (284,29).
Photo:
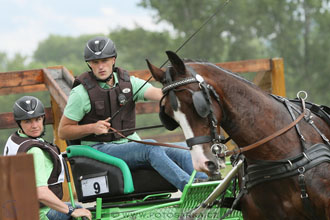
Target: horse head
(187,102)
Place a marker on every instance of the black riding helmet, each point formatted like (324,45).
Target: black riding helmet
(99,48)
(28,107)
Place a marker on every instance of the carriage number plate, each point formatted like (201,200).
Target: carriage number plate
(94,186)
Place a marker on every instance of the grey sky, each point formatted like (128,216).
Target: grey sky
(24,23)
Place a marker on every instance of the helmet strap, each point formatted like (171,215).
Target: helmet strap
(19,125)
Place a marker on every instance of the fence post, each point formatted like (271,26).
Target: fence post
(278,80)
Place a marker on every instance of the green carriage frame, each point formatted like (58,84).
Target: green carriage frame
(153,206)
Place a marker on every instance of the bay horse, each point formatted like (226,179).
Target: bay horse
(285,177)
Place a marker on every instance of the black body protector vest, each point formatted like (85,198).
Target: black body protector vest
(106,102)
(17,144)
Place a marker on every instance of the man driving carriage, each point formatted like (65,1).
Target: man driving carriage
(101,98)
(29,114)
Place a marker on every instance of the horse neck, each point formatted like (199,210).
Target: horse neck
(250,113)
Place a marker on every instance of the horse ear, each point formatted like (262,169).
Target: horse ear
(176,62)
(156,72)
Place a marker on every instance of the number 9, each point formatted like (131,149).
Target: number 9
(97,187)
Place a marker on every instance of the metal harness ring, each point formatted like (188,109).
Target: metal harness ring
(302,92)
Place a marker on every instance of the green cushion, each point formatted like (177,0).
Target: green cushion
(87,151)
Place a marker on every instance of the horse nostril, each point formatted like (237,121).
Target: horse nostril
(211,166)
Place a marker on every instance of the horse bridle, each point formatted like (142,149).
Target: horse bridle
(202,104)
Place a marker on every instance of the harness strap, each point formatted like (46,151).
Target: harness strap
(235,202)
(198,140)
(302,138)
(320,111)
(264,171)
(264,140)
(302,184)
(325,139)
(149,143)
(304,195)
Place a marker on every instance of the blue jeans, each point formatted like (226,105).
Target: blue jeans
(174,164)
(56,215)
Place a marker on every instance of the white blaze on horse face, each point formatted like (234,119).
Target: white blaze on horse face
(198,158)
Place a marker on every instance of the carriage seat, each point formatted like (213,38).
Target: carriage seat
(97,174)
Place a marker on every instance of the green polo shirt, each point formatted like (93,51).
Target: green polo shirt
(79,105)
(43,167)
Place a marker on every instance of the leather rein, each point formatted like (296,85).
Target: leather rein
(240,150)
(149,143)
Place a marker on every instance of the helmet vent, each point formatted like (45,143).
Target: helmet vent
(99,48)
(28,106)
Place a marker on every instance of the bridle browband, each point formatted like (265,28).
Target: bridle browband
(176,84)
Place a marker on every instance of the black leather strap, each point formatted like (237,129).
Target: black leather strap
(321,111)
(263,171)
(304,195)
(198,140)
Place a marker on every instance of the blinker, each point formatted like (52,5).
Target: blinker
(201,106)
(168,122)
